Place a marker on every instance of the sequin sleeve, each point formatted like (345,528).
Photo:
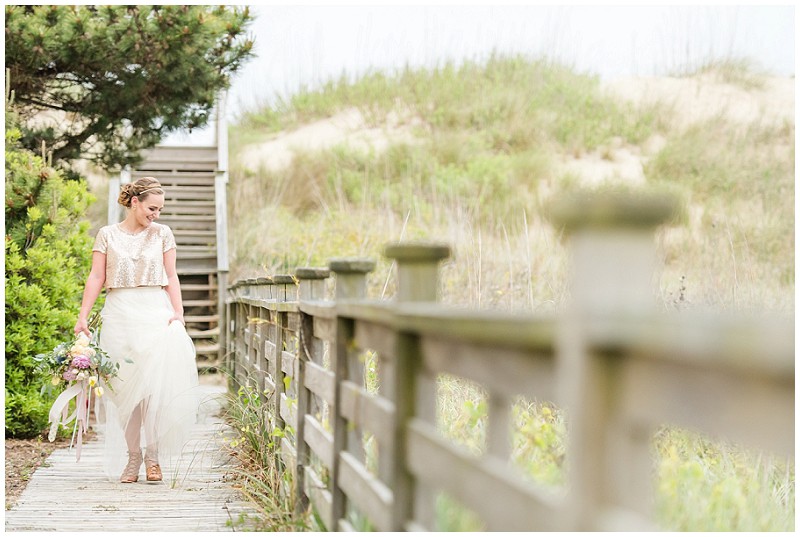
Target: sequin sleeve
(169,239)
(101,241)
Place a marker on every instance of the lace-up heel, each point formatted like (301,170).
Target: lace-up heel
(152,468)
(131,472)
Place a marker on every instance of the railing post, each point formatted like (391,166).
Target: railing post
(612,261)
(259,332)
(232,308)
(311,282)
(311,286)
(410,386)
(286,288)
(351,284)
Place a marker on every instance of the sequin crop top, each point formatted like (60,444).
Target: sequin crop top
(134,259)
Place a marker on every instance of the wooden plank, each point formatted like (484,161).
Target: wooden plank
(65,495)
(288,360)
(288,453)
(318,308)
(175,158)
(378,337)
(502,370)
(755,412)
(320,496)
(373,498)
(491,488)
(287,412)
(319,440)
(320,381)
(324,328)
(182,193)
(480,327)
(375,414)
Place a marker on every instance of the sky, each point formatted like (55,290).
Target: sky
(304,46)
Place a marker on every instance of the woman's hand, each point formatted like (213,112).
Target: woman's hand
(82,326)
(177,317)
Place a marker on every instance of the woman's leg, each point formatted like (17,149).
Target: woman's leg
(133,431)
(152,467)
(133,438)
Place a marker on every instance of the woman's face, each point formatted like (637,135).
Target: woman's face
(148,209)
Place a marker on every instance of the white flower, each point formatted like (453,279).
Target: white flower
(92,380)
(98,391)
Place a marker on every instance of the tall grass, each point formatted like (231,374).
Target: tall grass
(260,476)
(481,167)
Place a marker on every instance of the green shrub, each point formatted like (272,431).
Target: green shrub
(47,254)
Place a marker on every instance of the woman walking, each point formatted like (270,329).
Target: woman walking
(143,329)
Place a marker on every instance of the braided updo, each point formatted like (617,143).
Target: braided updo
(141,188)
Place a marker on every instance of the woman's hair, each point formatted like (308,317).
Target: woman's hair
(141,188)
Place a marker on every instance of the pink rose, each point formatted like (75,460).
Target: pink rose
(81,362)
(70,374)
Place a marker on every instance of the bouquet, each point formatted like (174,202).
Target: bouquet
(86,370)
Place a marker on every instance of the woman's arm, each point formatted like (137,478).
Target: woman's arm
(94,284)
(173,285)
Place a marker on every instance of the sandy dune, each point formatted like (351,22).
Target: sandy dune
(692,99)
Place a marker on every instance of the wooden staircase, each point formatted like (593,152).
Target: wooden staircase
(189,176)
(195,180)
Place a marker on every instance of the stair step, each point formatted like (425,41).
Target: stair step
(197,334)
(178,194)
(197,303)
(195,271)
(206,348)
(196,254)
(201,318)
(186,178)
(179,158)
(189,217)
(197,248)
(190,210)
(197,287)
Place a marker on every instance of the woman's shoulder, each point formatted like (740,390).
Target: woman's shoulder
(161,229)
(106,229)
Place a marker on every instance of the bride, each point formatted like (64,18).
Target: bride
(144,331)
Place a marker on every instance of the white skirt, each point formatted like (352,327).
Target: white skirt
(157,367)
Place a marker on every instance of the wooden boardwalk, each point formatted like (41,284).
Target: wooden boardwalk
(64,495)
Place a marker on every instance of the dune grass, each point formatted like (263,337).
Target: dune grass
(480,170)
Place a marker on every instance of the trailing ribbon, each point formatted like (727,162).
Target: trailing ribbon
(81,391)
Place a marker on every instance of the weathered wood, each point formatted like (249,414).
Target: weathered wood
(367,411)
(499,369)
(319,496)
(64,495)
(320,381)
(371,496)
(515,506)
(375,336)
(319,440)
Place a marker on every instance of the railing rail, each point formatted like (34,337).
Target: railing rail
(366,441)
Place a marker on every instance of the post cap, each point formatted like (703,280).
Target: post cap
(360,265)
(312,273)
(417,251)
(612,210)
(264,281)
(283,279)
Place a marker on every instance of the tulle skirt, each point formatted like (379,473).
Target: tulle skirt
(157,370)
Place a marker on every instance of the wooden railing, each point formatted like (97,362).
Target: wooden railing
(617,367)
